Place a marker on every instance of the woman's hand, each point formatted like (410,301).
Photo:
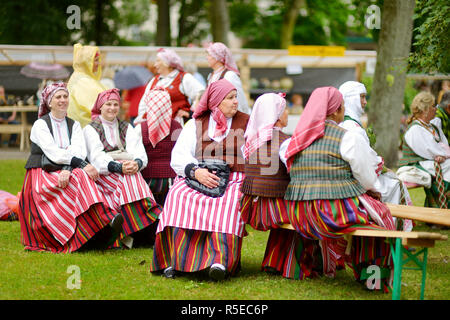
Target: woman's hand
(130,167)
(63,178)
(182,113)
(439,159)
(91,172)
(206,178)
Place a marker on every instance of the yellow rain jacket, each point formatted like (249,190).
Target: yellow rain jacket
(84,85)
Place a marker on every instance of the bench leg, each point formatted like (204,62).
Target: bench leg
(397,256)
(424,273)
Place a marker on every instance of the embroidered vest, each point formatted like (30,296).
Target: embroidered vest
(409,157)
(319,172)
(159,157)
(229,149)
(123,127)
(265,174)
(34,160)
(178,99)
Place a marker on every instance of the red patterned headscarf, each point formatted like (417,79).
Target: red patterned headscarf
(211,99)
(47,95)
(111,94)
(221,53)
(311,126)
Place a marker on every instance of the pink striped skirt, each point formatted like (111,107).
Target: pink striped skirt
(189,209)
(60,220)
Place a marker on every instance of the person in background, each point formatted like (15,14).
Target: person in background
(442,119)
(221,61)
(296,105)
(61,210)
(7,118)
(266,179)
(182,86)
(388,184)
(426,147)
(332,192)
(84,84)
(117,152)
(445,86)
(158,132)
(196,231)
(132,98)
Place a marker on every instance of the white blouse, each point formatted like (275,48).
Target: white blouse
(58,147)
(189,86)
(357,153)
(95,150)
(236,81)
(183,153)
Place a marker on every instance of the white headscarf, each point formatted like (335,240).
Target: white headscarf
(351,91)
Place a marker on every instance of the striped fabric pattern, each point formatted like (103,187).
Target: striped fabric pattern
(263,213)
(123,127)
(432,194)
(139,215)
(192,250)
(44,207)
(189,209)
(319,172)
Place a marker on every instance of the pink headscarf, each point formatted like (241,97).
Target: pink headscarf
(158,114)
(111,94)
(221,53)
(265,113)
(311,126)
(171,58)
(211,99)
(47,95)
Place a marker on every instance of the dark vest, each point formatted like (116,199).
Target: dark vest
(221,75)
(123,127)
(409,157)
(34,160)
(319,172)
(159,157)
(265,174)
(178,99)
(229,149)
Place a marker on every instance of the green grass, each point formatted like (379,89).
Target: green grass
(124,274)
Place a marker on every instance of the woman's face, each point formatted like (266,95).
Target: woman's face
(429,114)
(229,104)
(96,63)
(363,100)
(110,110)
(211,61)
(161,66)
(60,101)
(340,113)
(283,121)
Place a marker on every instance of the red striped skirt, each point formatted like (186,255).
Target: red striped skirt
(193,250)
(264,213)
(56,219)
(329,220)
(189,209)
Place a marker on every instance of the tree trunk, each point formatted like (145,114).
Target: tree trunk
(390,77)
(181,21)
(163,24)
(98,22)
(220,21)
(289,19)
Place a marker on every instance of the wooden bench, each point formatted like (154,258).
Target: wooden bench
(398,240)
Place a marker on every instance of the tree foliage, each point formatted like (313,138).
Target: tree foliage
(431,45)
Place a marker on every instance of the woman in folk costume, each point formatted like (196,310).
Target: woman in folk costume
(196,231)
(266,179)
(84,84)
(158,132)
(118,154)
(426,147)
(221,61)
(329,190)
(182,86)
(388,184)
(62,209)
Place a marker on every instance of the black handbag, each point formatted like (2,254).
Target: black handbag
(48,165)
(221,169)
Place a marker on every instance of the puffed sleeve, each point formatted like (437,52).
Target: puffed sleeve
(142,106)
(242,100)
(135,146)
(190,86)
(283,149)
(40,134)
(355,150)
(183,153)
(96,155)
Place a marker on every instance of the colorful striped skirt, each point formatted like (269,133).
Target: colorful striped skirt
(193,250)
(60,220)
(189,209)
(330,220)
(160,187)
(432,195)
(131,196)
